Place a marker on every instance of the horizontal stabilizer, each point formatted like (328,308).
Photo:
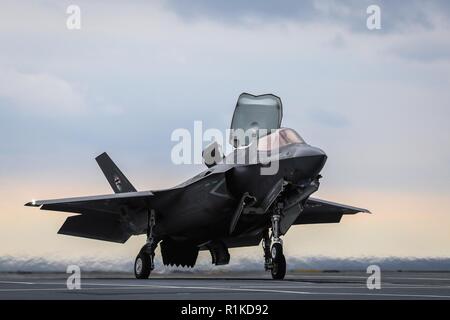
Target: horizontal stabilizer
(95,227)
(323,211)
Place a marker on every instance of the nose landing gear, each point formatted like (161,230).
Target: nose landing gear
(144,263)
(273,248)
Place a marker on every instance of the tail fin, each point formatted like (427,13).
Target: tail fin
(119,183)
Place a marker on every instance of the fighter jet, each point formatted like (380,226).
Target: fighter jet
(230,204)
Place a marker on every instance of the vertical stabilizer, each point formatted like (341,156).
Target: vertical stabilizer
(119,183)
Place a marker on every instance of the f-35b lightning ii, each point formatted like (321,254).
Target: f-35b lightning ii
(230,204)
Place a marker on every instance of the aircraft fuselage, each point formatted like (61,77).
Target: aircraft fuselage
(205,210)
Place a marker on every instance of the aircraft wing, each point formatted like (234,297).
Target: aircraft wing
(323,211)
(315,211)
(100,216)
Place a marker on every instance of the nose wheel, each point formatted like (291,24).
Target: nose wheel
(277,251)
(273,248)
(278,270)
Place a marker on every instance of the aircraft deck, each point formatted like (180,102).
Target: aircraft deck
(249,286)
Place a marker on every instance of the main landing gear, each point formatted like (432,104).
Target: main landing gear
(144,263)
(273,248)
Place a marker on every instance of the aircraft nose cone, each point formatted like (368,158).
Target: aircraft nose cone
(320,158)
(309,162)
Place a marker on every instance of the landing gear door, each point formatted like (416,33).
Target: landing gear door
(253,113)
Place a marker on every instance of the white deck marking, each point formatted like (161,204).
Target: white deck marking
(147,286)
(16,282)
(362,277)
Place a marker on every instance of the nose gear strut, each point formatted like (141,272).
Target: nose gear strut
(274,259)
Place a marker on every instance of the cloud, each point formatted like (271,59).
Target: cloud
(338,41)
(396,15)
(39,92)
(424,50)
(167,68)
(328,118)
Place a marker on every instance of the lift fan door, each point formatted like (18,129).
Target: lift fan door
(255,112)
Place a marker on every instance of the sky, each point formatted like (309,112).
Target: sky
(377,102)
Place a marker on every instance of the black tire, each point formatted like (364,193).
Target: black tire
(279,268)
(276,251)
(142,265)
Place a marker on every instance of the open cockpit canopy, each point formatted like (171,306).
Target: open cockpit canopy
(257,114)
